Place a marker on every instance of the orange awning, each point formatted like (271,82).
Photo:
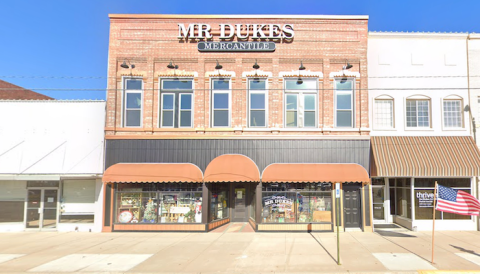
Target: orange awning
(232,168)
(153,173)
(312,173)
(432,156)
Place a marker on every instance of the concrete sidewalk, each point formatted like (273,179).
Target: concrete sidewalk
(224,252)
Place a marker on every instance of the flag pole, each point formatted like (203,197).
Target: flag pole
(433,228)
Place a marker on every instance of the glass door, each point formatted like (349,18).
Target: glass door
(42,208)
(378,203)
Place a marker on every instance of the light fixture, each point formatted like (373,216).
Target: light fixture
(172,65)
(347,66)
(256,66)
(301,66)
(124,65)
(466,108)
(218,66)
(299,81)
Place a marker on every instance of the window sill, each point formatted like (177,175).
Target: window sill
(186,129)
(455,129)
(418,129)
(347,129)
(384,129)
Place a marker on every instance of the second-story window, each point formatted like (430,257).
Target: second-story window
(257,102)
(344,102)
(133,102)
(176,103)
(383,115)
(221,102)
(452,113)
(301,103)
(418,113)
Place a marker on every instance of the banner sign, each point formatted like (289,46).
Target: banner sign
(236,46)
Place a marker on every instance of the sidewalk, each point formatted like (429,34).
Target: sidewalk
(242,252)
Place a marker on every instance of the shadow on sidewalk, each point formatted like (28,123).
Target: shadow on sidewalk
(394,234)
(465,250)
(323,247)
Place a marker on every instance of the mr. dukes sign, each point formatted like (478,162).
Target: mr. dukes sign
(258,32)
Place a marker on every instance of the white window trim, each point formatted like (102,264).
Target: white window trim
(462,115)
(352,92)
(161,110)
(418,98)
(222,91)
(383,98)
(257,91)
(124,101)
(180,110)
(160,88)
(300,96)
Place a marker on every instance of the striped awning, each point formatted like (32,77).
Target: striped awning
(432,156)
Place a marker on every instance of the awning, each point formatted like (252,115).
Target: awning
(153,173)
(232,168)
(433,156)
(313,173)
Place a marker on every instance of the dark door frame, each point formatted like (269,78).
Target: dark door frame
(353,187)
(233,186)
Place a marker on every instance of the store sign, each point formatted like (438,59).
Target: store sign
(259,31)
(425,199)
(275,201)
(236,46)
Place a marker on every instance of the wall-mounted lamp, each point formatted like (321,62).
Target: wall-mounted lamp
(466,108)
(218,66)
(347,66)
(124,65)
(299,80)
(301,66)
(172,65)
(256,66)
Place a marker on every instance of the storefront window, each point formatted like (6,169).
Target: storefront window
(12,201)
(296,203)
(400,193)
(424,191)
(219,201)
(159,203)
(77,203)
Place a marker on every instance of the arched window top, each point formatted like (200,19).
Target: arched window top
(453,97)
(384,97)
(418,97)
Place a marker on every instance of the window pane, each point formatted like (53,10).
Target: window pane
(177,84)
(344,118)
(293,84)
(134,100)
(344,101)
(314,207)
(220,118)
(167,101)
(133,118)
(291,101)
(278,207)
(257,118)
(185,118)
(186,101)
(167,118)
(220,100)
(344,85)
(423,114)
(452,113)
(411,113)
(134,84)
(291,118)
(309,119)
(383,113)
(257,101)
(309,102)
(221,84)
(257,84)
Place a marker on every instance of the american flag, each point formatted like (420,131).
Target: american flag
(456,201)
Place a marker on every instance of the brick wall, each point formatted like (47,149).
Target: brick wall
(150,42)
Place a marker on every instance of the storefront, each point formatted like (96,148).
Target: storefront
(404,172)
(236,96)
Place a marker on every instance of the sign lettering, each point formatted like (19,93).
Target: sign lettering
(259,31)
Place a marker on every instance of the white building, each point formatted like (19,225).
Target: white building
(51,162)
(421,128)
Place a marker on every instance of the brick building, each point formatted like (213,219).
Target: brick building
(214,119)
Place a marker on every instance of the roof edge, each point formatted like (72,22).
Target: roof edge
(418,34)
(235,16)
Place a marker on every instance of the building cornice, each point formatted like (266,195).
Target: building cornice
(235,16)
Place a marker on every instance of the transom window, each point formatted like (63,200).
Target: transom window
(257,102)
(383,115)
(132,114)
(418,113)
(452,113)
(221,102)
(344,102)
(176,103)
(301,103)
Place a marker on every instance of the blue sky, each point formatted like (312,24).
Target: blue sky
(60,48)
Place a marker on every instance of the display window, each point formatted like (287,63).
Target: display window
(161,203)
(218,202)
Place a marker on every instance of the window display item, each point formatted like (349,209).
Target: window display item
(125,217)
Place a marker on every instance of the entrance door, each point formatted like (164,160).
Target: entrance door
(240,210)
(352,206)
(42,208)
(378,203)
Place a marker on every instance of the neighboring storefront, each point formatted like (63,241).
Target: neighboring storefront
(51,159)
